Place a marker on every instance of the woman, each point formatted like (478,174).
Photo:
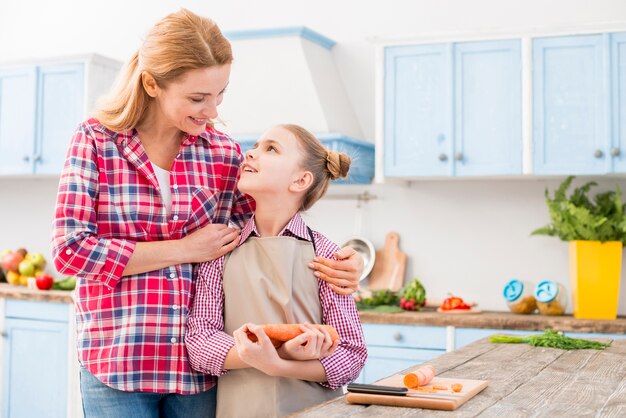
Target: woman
(147,190)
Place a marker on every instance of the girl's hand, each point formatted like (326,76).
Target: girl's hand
(342,274)
(261,355)
(209,243)
(312,344)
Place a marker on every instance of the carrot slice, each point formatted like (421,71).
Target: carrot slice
(411,380)
(440,387)
(456,387)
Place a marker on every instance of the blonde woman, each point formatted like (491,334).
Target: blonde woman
(147,190)
(286,172)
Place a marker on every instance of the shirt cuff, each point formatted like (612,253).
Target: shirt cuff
(118,254)
(335,371)
(222,343)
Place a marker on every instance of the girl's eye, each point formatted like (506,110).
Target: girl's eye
(271,148)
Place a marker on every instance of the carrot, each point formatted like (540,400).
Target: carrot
(419,377)
(279,333)
(456,387)
(440,387)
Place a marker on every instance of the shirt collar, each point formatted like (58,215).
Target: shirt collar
(296,226)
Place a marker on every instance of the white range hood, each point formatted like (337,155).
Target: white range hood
(285,75)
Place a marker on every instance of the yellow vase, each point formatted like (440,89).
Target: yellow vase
(595,270)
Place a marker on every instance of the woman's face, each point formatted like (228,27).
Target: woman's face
(189,102)
(272,165)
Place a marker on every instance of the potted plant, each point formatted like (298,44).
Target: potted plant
(596,231)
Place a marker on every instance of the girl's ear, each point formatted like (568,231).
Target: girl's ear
(302,183)
(149,84)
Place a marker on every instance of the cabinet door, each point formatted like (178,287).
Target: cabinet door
(618,83)
(17,120)
(417,101)
(60,110)
(487,108)
(35,368)
(570,106)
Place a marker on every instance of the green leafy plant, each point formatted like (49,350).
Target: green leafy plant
(552,339)
(578,217)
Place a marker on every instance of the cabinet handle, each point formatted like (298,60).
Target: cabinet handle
(598,153)
(4,334)
(458,156)
(26,158)
(37,158)
(443,157)
(397,336)
(615,152)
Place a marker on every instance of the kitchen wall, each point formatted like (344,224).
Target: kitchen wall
(461,236)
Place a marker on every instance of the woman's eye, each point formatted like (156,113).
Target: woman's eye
(196,100)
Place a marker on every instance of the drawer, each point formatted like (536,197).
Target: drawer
(405,336)
(46,311)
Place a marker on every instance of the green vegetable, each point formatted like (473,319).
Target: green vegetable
(579,218)
(551,339)
(69,283)
(377,298)
(414,290)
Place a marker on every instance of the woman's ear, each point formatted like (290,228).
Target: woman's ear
(149,84)
(302,182)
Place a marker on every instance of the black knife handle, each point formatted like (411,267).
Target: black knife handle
(376,389)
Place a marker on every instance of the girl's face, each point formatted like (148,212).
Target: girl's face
(272,166)
(191,101)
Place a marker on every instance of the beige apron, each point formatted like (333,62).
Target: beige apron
(266,280)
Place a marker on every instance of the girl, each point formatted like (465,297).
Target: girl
(266,280)
(147,190)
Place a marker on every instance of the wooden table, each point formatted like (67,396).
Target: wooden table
(524,381)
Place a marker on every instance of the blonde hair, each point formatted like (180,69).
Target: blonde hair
(325,164)
(179,42)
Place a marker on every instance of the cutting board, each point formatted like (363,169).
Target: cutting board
(445,400)
(388,271)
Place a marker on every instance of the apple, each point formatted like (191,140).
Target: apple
(11,261)
(37,259)
(44,281)
(22,251)
(26,268)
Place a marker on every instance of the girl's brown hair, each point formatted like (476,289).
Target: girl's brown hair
(325,164)
(179,42)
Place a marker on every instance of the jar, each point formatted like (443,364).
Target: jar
(519,297)
(551,297)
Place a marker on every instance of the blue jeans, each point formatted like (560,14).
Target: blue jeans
(102,401)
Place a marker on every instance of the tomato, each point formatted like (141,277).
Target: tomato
(44,281)
(454,302)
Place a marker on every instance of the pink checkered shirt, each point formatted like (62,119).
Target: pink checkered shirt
(208,344)
(130,329)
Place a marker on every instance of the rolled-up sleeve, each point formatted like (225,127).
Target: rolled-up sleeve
(207,343)
(76,247)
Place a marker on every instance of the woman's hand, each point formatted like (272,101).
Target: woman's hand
(209,243)
(342,274)
(261,355)
(312,344)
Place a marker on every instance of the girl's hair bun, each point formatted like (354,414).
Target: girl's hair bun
(338,164)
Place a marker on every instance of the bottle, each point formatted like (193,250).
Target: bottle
(519,297)
(551,297)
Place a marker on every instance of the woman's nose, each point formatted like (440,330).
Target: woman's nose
(211,110)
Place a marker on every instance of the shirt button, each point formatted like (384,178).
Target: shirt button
(175,307)
(172,275)
(177,155)
(68,251)
(173,340)
(175,217)
(175,187)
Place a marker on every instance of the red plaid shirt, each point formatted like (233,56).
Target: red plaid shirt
(130,329)
(208,344)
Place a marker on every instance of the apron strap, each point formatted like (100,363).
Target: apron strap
(312,239)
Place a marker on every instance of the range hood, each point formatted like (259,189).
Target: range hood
(285,75)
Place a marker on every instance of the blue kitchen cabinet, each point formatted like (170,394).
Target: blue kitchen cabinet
(618,81)
(453,109)
(41,106)
(579,115)
(393,348)
(35,360)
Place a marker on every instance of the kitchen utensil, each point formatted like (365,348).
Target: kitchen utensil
(388,271)
(366,249)
(443,400)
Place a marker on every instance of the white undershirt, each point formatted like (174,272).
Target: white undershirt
(163,177)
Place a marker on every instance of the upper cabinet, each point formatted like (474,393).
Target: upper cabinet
(572,115)
(453,109)
(40,107)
